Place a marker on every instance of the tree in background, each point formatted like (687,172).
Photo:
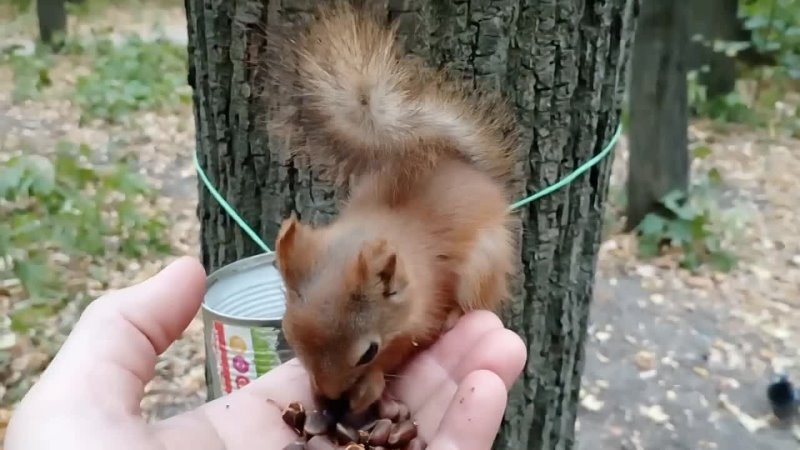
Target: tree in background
(561,62)
(52,16)
(687,60)
(659,154)
(709,21)
(720,40)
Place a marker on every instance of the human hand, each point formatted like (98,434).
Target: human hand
(89,396)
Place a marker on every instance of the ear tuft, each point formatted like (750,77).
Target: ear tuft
(389,265)
(380,260)
(286,234)
(294,251)
(362,268)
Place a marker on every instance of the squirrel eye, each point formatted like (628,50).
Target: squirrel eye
(368,355)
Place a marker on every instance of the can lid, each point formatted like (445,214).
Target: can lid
(250,289)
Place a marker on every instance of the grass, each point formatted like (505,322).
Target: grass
(133,76)
(123,78)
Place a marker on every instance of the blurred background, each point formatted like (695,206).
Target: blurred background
(98,191)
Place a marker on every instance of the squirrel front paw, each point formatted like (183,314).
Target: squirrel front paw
(367,391)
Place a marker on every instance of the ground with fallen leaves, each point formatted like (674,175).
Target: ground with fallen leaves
(674,361)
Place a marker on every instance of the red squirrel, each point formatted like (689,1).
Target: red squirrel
(425,235)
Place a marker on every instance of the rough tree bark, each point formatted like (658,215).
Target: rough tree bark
(561,61)
(659,154)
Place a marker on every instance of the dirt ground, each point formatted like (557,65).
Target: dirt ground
(674,360)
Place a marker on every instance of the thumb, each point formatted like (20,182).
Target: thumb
(114,345)
(159,308)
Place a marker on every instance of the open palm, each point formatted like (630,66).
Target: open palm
(89,396)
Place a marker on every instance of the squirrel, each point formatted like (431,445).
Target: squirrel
(425,235)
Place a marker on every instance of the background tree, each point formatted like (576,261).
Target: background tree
(659,154)
(709,21)
(715,26)
(52,15)
(562,62)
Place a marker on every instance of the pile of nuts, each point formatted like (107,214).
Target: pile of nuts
(387,427)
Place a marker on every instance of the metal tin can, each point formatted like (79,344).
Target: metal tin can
(242,315)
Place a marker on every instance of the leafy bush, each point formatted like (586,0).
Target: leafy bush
(61,209)
(31,74)
(132,76)
(727,108)
(88,7)
(692,224)
(775,27)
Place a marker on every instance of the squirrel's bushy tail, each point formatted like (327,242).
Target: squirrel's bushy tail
(355,98)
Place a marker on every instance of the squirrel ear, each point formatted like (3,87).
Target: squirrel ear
(293,250)
(379,259)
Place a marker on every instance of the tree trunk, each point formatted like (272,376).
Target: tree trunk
(713,20)
(52,16)
(659,154)
(563,64)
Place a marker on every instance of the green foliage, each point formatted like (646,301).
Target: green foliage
(82,8)
(775,27)
(87,8)
(21,6)
(63,208)
(691,222)
(132,76)
(125,77)
(31,74)
(730,108)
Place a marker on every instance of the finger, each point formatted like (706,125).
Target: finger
(428,372)
(500,351)
(287,383)
(471,328)
(474,414)
(161,307)
(114,345)
(244,417)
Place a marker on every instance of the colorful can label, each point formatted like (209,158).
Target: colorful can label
(243,354)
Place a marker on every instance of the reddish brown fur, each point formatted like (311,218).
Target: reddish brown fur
(361,104)
(425,234)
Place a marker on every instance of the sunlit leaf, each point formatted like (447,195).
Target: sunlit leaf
(714,176)
(701,152)
(723,261)
(651,224)
(673,201)
(679,232)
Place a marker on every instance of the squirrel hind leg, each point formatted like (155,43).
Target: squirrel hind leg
(483,276)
